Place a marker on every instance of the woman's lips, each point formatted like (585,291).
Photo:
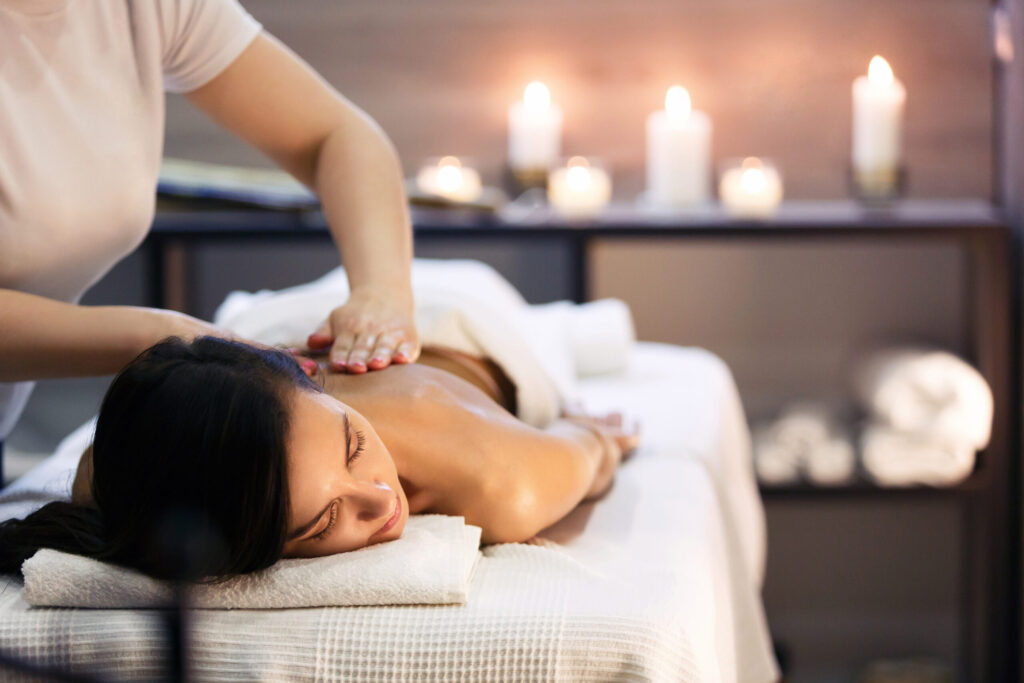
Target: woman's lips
(393,520)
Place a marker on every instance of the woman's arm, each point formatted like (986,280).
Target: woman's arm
(42,338)
(272,99)
(532,478)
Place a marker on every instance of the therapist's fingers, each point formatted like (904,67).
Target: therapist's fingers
(340,350)
(322,337)
(382,352)
(407,352)
(359,355)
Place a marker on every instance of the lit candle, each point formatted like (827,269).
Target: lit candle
(878,100)
(448,178)
(579,189)
(534,130)
(678,153)
(753,189)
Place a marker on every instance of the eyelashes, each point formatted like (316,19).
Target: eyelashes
(330,524)
(360,442)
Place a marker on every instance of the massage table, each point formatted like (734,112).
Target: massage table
(657,581)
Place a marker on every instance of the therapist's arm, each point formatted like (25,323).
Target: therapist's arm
(272,99)
(41,338)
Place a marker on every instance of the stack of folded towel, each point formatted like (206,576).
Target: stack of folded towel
(929,413)
(431,564)
(805,442)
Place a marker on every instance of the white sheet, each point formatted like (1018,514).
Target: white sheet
(649,583)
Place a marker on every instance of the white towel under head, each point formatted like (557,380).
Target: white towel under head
(432,563)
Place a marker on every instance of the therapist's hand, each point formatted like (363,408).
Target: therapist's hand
(373,329)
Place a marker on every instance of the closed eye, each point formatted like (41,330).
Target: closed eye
(360,442)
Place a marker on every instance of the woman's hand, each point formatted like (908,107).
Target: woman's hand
(373,329)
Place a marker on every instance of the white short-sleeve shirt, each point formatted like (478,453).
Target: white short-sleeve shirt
(81,131)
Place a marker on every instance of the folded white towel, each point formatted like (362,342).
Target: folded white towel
(803,425)
(805,441)
(832,462)
(930,393)
(896,458)
(775,464)
(600,334)
(431,563)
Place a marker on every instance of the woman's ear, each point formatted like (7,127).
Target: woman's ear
(81,489)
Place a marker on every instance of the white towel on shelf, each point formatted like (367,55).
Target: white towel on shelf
(468,306)
(804,442)
(803,425)
(432,563)
(775,463)
(832,462)
(897,458)
(930,393)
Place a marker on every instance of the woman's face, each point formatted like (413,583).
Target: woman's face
(342,481)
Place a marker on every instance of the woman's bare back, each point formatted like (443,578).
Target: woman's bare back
(443,431)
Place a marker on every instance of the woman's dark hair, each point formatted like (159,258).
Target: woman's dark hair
(189,466)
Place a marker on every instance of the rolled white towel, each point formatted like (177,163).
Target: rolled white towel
(897,458)
(803,425)
(432,563)
(599,335)
(832,462)
(930,393)
(775,463)
(602,336)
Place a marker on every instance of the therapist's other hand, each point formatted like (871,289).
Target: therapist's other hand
(372,330)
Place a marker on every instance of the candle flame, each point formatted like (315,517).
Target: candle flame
(577,178)
(677,102)
(536,96)
(879,71)
(449,174)
(752,180)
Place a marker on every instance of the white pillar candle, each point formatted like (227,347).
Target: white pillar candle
(579,189)
(678,153)
(878,100)
(752,189)
(534,129)
(448,178)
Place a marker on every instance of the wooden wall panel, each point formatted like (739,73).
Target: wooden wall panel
(774,75)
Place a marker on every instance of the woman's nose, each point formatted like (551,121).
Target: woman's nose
(375,499)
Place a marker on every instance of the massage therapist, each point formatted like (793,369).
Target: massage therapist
(81,137)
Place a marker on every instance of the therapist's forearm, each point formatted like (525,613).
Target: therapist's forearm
(359,181)
(41,338)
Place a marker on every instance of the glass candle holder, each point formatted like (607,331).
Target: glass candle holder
(449,178)
(750,187)
(579,188)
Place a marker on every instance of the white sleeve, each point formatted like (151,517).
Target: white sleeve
(200,39)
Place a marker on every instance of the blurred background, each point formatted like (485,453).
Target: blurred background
(851,578)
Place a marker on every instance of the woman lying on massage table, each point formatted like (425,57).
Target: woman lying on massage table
(280,466)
